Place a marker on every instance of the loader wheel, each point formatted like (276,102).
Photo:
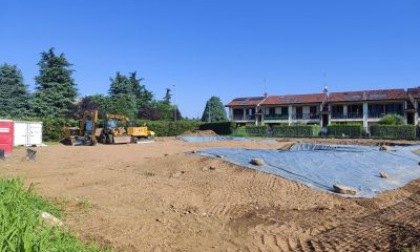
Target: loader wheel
(110,139)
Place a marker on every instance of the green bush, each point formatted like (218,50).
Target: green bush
(392,119)
(393,131)
(345,130)
(240,132)
(21,228)
(257,131)
(221,128)
(296,131)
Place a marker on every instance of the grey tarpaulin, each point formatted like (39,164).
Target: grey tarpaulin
(321,166)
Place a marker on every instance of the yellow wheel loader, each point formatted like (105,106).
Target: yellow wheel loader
(140,133)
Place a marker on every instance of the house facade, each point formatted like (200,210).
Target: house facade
(362,107)
(292,109)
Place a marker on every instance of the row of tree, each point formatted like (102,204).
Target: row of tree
(56,95)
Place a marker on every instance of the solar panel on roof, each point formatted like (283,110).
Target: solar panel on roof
(256,98)
(353,97)
(292,100)
(377,96)
(240,99)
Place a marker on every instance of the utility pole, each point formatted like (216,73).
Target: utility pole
(175,110)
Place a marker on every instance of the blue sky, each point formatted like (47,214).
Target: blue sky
(224,48)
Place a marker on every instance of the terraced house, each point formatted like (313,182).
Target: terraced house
(364,107)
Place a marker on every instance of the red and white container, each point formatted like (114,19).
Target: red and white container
(6,136)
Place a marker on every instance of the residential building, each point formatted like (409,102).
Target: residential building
(364,107)
(244,110)
(291,109)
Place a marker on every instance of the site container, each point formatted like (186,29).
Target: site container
(28,133)
(6,137)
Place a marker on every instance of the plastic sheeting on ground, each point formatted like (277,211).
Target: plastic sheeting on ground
(202,139)
(322,166)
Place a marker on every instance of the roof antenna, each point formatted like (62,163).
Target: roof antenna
(265,88)
(325,83)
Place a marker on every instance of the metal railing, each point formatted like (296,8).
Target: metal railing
(374,114)
(243,118)
(305,116)
(349,115)
(276,117)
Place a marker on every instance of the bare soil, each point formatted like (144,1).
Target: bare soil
(160,197)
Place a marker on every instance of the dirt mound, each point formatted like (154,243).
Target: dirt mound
(200,133)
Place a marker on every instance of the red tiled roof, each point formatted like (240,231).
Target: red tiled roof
(245,101)
(415,92)
(368,95)
(294,99)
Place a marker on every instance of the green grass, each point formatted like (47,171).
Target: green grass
(21,227)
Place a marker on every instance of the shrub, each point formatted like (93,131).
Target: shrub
(221,128)
(393,131)
(392,119)
(296,131)
(257,131)
(240,132)
(21,225)
(345,130)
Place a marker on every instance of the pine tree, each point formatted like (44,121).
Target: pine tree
(144,97)
(214,111)
(123,97)
(14,97)
(56,90)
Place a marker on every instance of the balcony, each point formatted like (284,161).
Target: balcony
(349,115)
(374,114)
(244,118)
(305,116)
(276,117)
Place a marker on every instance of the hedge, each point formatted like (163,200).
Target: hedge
(257,131)
(296,131)
(345,130)
(393,131)
(165,128)
(221,128)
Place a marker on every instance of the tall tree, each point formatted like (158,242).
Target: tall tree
(123,97)
(56,90)
(168,97)
(14,96)
(214,111)
(100,102)
(144,98)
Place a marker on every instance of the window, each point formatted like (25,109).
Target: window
(299,112)
(355,111)
(272,111)
(284,110)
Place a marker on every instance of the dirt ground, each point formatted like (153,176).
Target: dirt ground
(160,197)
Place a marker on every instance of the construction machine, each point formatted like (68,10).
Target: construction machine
(140,133)
(114,130)
(85,133)
(117,130)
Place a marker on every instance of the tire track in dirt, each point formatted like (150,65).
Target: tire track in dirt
(392,228)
